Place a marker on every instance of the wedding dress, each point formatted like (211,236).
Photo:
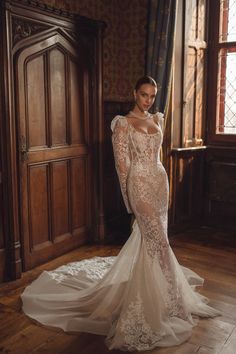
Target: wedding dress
(141,298)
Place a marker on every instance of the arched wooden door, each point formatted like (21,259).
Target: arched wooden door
(53,90)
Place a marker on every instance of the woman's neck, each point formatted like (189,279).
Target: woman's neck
(144,116)
(140,112)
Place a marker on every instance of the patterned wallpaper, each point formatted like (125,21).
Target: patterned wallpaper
(124,40)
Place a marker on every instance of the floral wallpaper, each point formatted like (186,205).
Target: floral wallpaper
(124,40)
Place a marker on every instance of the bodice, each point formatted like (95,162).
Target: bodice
(144,147)
(136,153)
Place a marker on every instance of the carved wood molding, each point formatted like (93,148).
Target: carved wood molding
(34,4)
(39,6)
(22,29)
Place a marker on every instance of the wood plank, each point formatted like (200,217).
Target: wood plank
(226,304)
(185,348)
(11,322)
(230,345)
(212,333)
(211,336)
(83,252)
(72,344)
(61,343)
(26,339)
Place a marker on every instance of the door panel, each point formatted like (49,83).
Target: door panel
(60,199)
(38,205)
(57,96)
(55,163)
(79,185)
(76,95)
(35,103)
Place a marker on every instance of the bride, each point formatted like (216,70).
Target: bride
(142,298)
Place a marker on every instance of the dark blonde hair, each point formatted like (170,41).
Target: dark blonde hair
(145,80)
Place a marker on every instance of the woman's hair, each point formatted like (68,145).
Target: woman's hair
(145,80)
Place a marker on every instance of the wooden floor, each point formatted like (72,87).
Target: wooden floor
(211,254)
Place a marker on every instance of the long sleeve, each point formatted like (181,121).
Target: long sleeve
(121,155)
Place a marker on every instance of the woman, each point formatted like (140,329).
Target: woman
(142,298)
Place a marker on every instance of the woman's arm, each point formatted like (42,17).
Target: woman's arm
(122,157)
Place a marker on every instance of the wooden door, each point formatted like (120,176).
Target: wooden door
(53,88)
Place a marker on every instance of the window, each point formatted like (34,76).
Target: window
(222,70)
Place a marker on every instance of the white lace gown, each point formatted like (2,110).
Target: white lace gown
(141,298)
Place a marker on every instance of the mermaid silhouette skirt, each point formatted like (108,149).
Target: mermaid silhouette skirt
(142,298)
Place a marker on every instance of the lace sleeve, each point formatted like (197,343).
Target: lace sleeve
(121,155)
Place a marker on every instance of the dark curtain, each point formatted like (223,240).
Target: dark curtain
(161,26)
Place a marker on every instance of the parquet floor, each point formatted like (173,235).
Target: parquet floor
(212,254)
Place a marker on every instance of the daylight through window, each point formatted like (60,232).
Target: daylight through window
(226,81)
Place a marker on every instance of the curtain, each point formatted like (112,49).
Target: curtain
(161,26)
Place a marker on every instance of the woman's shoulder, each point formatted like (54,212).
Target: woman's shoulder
(118,120)
(159,118)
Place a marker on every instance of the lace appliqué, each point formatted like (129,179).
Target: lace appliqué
(174,299)
(120,142)
(145,188)
(93,269)
(154,236)
(138,334)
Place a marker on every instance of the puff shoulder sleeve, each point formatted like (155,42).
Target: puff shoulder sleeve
(159,117)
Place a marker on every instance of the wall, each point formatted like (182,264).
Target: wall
(124,41)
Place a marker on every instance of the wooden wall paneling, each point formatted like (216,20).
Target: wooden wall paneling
(76,106)
(99,126)
(12,266)
(80,203)
(2,238)
(187,193)
(220,201)
(54,87)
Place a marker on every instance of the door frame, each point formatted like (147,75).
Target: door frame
(20,23)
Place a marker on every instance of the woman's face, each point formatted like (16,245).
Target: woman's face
(145,96)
